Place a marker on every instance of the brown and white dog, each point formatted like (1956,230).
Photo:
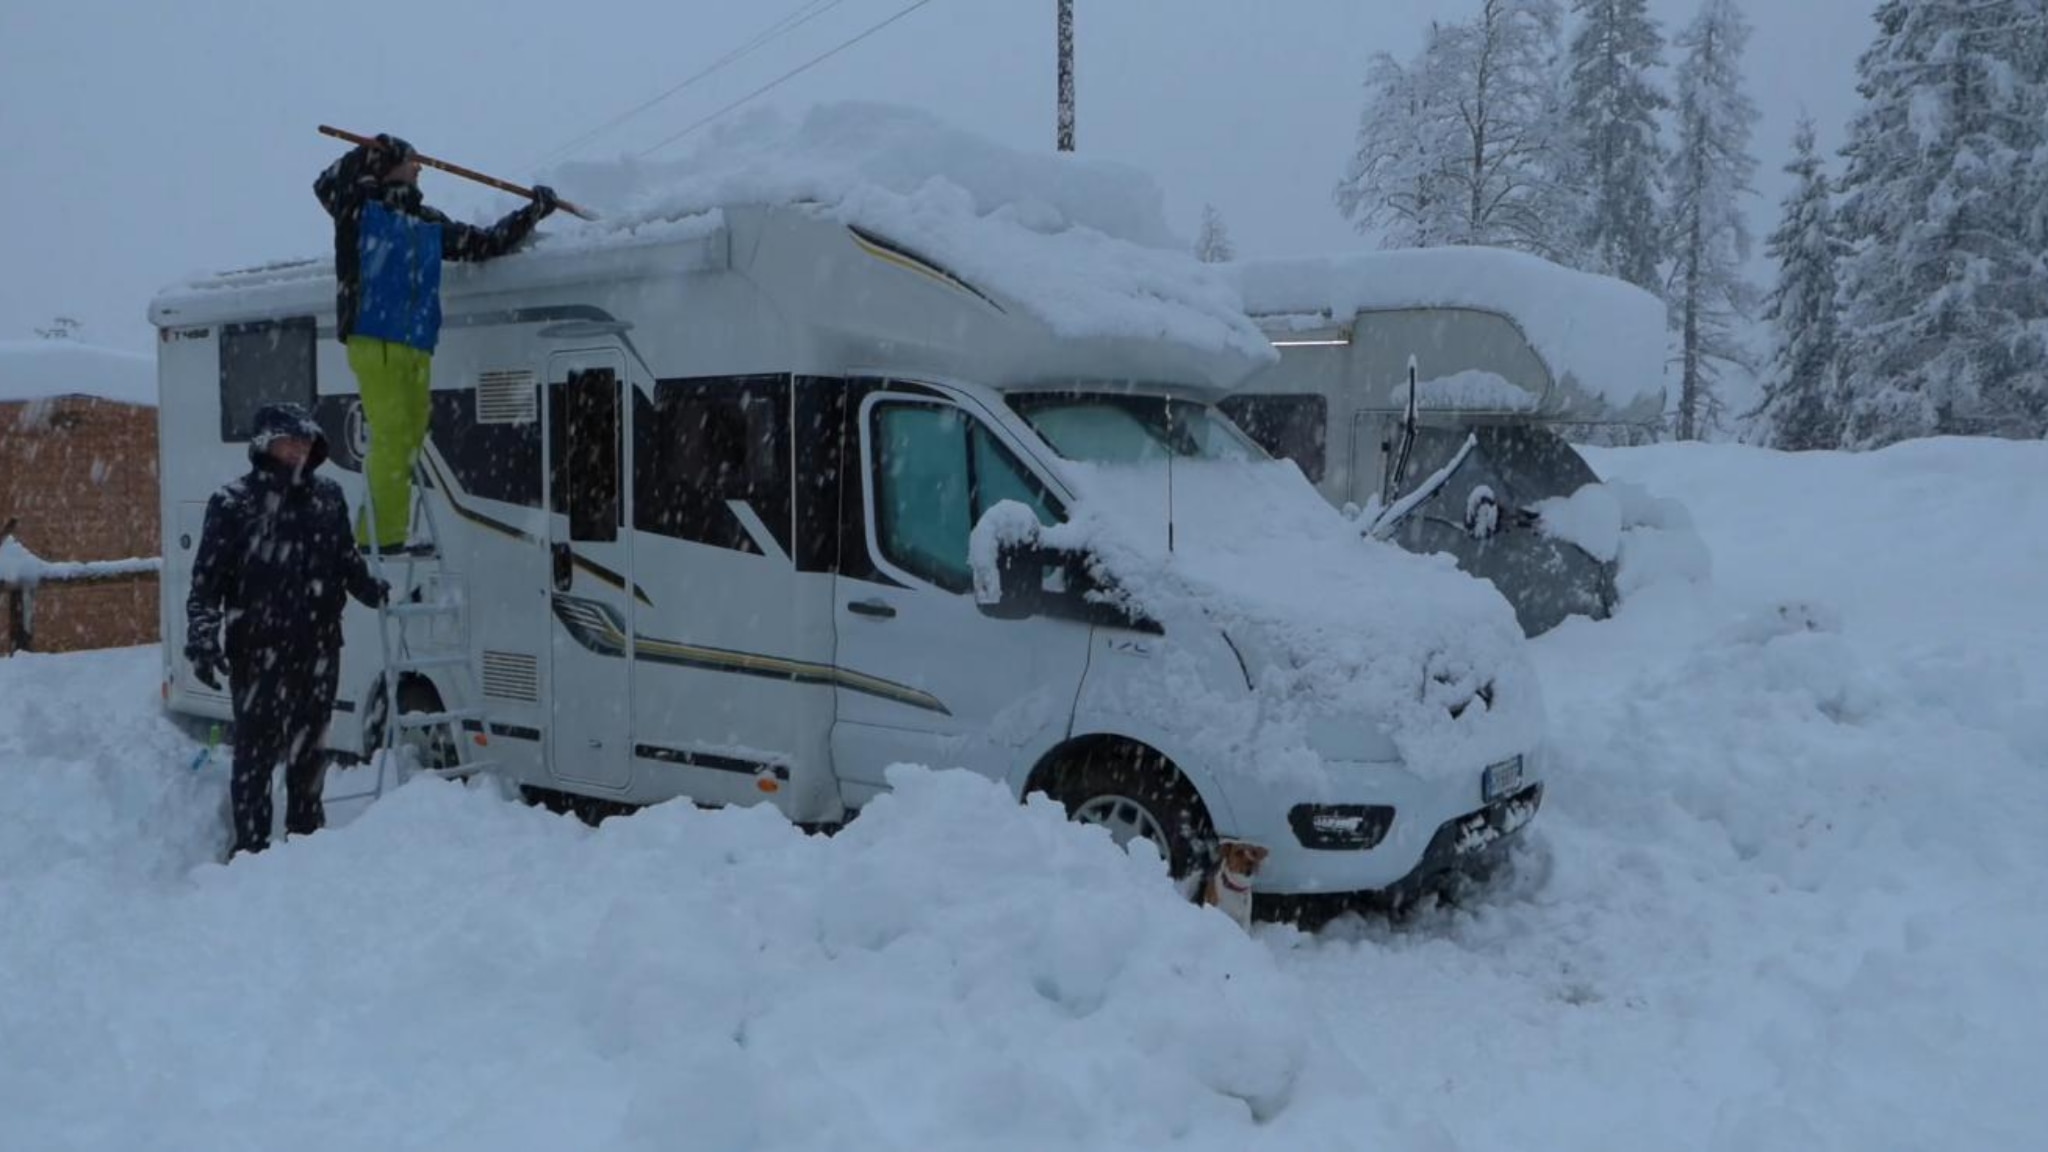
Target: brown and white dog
(1230,885)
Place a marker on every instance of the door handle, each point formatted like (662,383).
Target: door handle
(564,566)
(879,609)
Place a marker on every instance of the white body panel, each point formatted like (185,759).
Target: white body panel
(722,644)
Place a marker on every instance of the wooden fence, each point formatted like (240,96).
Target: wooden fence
(22,572)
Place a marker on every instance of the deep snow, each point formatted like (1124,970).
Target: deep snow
(1789,891)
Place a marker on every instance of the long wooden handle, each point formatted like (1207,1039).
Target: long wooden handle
(459,170)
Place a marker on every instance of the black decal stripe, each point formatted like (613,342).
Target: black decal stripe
(709,760)
(509,731)
(436,479)
(597,628)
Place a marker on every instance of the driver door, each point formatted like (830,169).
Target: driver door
(926,677)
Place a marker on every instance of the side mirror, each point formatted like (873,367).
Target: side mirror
(1029,579)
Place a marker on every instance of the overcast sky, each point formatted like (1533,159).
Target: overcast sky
(142,149)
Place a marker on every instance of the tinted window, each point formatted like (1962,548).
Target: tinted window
(1291,427)
(936,472)
(710,444)
(270,362)
(586,481)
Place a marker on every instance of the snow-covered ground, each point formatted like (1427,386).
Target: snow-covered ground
(1790,891)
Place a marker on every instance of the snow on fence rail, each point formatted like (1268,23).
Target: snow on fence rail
(22,572)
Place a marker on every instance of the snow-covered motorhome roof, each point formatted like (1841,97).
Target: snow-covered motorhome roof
(42,369)
(1079,244)
(1604,334)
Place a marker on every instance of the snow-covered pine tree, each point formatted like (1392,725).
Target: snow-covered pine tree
(1213,245)
(1614,152)
(1708,173)
(1800,408)
(1459,146)
(1946,292)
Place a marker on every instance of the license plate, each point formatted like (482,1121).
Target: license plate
(1503,779)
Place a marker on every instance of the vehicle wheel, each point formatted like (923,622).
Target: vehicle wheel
(1144,802)
(431,749)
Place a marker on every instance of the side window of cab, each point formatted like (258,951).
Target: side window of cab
(935,471)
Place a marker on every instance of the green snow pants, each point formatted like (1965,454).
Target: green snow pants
(393,380)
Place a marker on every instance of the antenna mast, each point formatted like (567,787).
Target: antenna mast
(1066,109)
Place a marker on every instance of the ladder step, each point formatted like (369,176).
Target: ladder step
(422,663)
(438,719)
(459,770)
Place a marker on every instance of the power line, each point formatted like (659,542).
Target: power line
(803,14)
(786,76)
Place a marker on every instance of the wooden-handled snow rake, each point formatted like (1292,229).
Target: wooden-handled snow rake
(459,170)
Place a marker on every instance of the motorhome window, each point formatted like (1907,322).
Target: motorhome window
(716,446)
(586,484)
(1104,428)
(1292,427)
(935,473)
(267,362)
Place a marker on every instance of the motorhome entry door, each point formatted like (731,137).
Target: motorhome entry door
(590,568)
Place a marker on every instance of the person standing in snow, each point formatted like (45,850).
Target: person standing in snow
(275,566)
(388,249)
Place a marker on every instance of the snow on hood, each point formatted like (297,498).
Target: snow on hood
(43,369)
(1082,244)
(1330,625)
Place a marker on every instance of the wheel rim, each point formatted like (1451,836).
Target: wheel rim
(1126,819)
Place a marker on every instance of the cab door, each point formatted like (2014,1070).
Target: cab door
(924,676)
(590,560)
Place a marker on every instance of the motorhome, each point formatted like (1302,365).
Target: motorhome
(708,495)
(1507,349)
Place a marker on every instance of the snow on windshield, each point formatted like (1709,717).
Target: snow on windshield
(1081,243)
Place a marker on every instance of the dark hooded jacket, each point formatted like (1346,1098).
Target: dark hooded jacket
(277,558)
(388,248)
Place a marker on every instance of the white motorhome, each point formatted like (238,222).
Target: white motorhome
(1508,348)
(707,490)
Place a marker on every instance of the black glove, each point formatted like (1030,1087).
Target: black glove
(208,666)
(546,198)
(381,594)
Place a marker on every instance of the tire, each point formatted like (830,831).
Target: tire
(434,749)
(1137,794)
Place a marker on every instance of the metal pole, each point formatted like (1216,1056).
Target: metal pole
(1066,131)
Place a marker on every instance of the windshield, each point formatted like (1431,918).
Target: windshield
(1105,428)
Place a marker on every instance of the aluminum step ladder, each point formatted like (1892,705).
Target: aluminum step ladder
(422,594)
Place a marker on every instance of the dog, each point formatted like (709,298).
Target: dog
(1230,885)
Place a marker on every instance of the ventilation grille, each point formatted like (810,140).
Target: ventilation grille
(506,397)
(512,676)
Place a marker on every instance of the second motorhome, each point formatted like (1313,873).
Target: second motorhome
(708,498)
(1507,349)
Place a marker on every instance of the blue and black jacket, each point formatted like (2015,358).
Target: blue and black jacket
(388,248)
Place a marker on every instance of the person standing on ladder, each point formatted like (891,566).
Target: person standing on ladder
(274,570)
(388,249)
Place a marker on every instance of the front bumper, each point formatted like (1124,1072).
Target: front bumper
(1467,847)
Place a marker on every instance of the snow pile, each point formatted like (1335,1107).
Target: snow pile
(1472,390)
(46,369)
(1650,538)
(1080,243)
(1330,624)
(952,970)
(1606,335)
(1792,894)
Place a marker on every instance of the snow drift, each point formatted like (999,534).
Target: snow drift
(1788,894)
